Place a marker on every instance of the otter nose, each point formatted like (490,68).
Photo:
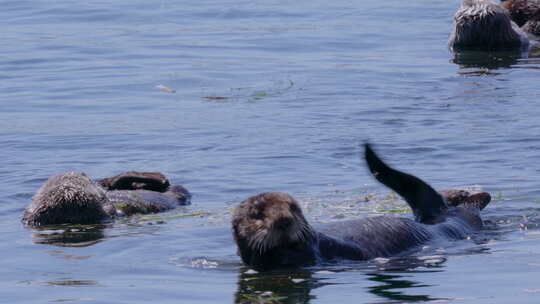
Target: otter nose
(283,223)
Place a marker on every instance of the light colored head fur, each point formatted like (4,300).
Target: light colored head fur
(485,25)
(69,197)
(270,220)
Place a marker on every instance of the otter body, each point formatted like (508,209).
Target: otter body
(384,236)
(487,26)
(73,198)
(271,231)
(525,13)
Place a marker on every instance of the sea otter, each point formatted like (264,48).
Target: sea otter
(525,13)
(486,26)
(73,198)
(271,232)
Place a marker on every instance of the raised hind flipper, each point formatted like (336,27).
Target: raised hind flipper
(426,203)
(133,180)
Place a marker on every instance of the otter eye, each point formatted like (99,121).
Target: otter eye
(294,208)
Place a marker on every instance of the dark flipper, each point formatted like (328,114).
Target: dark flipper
(133,180)
(425,202)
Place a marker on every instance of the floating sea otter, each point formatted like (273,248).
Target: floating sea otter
(74,198)
(525,13)
(486,26)
(271,231)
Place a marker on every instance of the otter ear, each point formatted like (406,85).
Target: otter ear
(425,202)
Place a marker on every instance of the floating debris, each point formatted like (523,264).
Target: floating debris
(532,290)
(165,89)
(215,97)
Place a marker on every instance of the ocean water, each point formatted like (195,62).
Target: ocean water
(233,98)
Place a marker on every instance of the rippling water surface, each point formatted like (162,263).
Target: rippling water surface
(232,98)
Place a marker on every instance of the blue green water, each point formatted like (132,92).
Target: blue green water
(268,95)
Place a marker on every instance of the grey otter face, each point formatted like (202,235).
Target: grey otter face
(484,25)
(67,198)
(268,221)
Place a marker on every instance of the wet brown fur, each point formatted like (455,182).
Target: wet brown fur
(268,220)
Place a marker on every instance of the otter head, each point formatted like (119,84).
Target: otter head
(522,11)
(181,194)
(486,26)
(67,198)
(455,197)
(271,231)
(467,205)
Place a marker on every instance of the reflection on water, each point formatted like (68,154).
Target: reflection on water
(276,287)
(74,283)
(486,61)
(69,235)
(295,286)
(63,282)
(395,287)
(67,256)
(477,63)
(409,263)
(90,300)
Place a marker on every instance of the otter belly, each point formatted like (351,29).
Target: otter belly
(385,236)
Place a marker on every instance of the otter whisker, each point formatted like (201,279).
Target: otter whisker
(257,240)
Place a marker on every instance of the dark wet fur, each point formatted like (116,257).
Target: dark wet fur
(66,198)
(73,198)
(133,180)
(271,231)
(384,236)
(484,25)
(425,202)
(129,202)
(522,11)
